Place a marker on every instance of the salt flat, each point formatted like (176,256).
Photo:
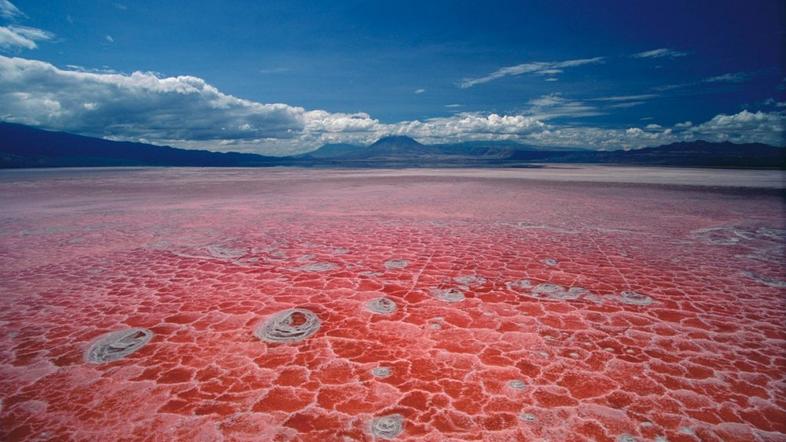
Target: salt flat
(566,303)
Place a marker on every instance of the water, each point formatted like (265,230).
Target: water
(630,304)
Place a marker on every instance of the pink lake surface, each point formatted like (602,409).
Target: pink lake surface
(558,304)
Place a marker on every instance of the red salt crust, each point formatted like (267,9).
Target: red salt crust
(202,258)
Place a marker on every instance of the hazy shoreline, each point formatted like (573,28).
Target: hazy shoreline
(649,175)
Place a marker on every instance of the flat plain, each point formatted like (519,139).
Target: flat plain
(570,303)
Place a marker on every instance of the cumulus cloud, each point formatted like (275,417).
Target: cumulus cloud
(186,111)
(467,126)
(535,67)
(135,106)
(25,37)
(743,127)
(660,53)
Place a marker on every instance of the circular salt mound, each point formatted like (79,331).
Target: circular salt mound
(291,325)
(518,285)
(383,306)
(517,384)
(448,295)
(393,264)
(634,298)
(381,372)
(387,427)
(318,267)
(117,345)
(470,280)
(528,417)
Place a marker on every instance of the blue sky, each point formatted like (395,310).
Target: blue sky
(280,77)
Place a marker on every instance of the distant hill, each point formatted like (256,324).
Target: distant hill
(688,154)
(404,151)
(23,146)
(401,148)
(337,150)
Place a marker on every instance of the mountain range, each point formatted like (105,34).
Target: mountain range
(23,146)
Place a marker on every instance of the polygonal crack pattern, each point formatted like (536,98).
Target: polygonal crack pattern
(660,321)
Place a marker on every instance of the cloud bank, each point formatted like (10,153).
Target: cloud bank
(186,111)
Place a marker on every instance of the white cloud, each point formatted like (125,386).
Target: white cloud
(626,97)
(626,104)
(419,91)
(732,77)
(660,53)
(743,127)
(186,111)
(109,38)
(8,10)
(136,106)
(535,67)
(554,106)
(15,37)
(275,70)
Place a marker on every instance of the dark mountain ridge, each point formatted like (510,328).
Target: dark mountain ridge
(24,146)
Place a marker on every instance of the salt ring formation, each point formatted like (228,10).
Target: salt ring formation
(413,305)
(288,326)
(117,345)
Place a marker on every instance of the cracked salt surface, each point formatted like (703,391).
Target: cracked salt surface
(676,329)
(558,292)
(469,280)
(766,280)
(318,267)
(395,264)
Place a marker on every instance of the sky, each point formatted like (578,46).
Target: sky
(282,77)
